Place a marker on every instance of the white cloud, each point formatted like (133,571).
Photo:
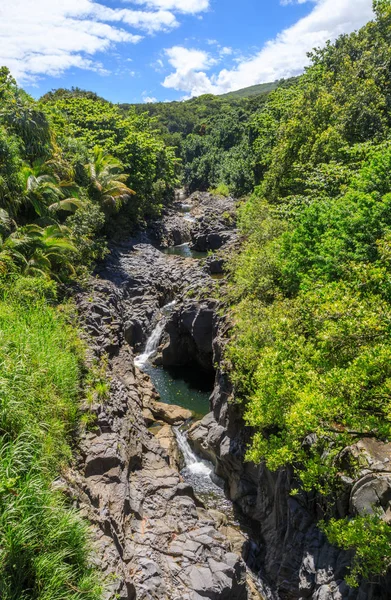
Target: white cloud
(225,51)
(46,37)
(188,65)
(184,6)
(149,99)
(284,56)
(183,59)
(148,21)
(286,2)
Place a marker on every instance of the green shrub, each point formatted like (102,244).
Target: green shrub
(370,537)
(221,190)
(30,290)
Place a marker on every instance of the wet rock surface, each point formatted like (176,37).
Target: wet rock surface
(294,556)
(151,538)
(215,221)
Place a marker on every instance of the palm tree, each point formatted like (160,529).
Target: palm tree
(108,181)
(39,250)
(47,193)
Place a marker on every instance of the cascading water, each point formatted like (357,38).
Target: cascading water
(201,476)
(193,464)
(186,208)
(154,339)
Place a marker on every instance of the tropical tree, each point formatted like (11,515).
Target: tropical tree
(107,181)
(47,193)
(40,250)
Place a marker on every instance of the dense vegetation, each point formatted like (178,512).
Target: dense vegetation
(213,136)
(311,350)
(43,543)
(71,168)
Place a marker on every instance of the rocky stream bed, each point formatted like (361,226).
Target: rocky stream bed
(151,469)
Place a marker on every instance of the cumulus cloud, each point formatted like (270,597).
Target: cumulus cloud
(284,56)
(189,66)
(184,6)
(46,37)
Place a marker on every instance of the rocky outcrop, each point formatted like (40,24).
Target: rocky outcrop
(215,221)
(169,413)
(171,230)
(151,539)
(142,280)
(189,335)
(166,437)
(294,557)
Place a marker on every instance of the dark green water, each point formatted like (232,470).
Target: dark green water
(184,387)
(184,251)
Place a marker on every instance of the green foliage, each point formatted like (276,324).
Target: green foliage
(212,136)
(43,543)
(129,139)
(310,348)
(32,290)
(221,190)
(370,537)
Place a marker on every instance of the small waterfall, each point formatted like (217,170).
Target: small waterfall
(154,339)
(193,464)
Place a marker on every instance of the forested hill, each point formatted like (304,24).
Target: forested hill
(310,291)
(213,136)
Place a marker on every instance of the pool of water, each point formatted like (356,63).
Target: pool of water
(182,387)
(183,250)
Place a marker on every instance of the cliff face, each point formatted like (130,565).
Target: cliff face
(295,557)
(152,538)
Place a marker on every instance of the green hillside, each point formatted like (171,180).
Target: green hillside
(254,90)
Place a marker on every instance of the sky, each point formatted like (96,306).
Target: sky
(161,50)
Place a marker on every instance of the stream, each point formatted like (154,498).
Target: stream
(178,387)
(190,388)
(183,250)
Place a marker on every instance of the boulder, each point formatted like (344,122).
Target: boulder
(170,413)
(166,438)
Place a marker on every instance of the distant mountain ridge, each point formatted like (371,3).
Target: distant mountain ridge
(256,90)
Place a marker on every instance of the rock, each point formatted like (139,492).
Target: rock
(167,440)
(216,221)
(189,335)
(371,494)
(148,416)
(147,531)
(171,414)
(204,436)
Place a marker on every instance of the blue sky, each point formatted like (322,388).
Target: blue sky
(142,50)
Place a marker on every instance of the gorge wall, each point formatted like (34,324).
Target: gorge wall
(153,536)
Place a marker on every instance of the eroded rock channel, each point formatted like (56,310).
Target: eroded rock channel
(135,479)
(165,444)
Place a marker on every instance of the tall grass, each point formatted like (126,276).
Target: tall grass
(43,542)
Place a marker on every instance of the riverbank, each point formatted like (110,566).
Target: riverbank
(153,538)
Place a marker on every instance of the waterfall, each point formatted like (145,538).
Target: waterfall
(193,464)
(154,339)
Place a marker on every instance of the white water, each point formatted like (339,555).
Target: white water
(186,208)
(154,339)
(193,464)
